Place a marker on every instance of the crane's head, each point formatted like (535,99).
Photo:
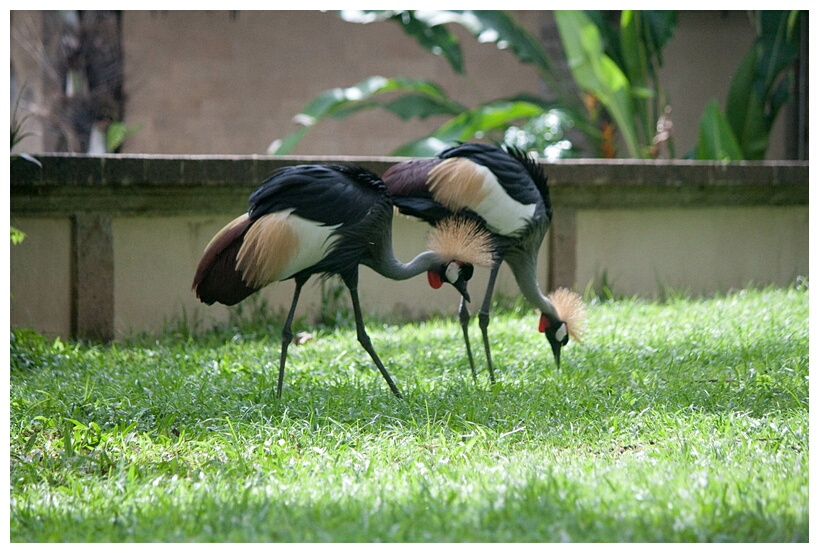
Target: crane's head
(566,323)
(460,244)
(455,273)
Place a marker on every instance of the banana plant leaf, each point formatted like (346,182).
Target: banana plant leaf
(716,139)
(761,85)
(637,62)
(435,38)
(744,110)
(498,27)
(635,44)
(777,46)
(417,98)
(477,123)
(493,116)
(428,146)
(652,28)
(596,73)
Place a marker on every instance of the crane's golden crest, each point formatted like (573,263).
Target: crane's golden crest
(463,240)
(457,183)
(270,233)
(571,310)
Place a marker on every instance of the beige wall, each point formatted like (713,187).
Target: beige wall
(154,262)
(699,251)
(233,86)
(696,251)
(154,273)
(202,82)
(40,275)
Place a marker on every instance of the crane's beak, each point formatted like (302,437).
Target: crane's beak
(556,344)
(460,285)
(556,347)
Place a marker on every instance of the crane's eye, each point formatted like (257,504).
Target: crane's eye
(466,271)
(452,272)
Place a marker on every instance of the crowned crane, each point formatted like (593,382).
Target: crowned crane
(505,191)
(326,219)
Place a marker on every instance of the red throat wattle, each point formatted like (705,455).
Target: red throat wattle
(544,324)
(434,279)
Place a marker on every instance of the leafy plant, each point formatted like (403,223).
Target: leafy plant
(17,235)
(88,96)
(759,89)
(716,138)
(618,66)
(598,76)
(117,133)
(410,98)
(17,135)
(546,134)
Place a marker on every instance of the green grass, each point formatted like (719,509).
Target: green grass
(685,420)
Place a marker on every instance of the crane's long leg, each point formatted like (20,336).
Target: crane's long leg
(483,316)
(364,339)
(463,313)
(287,335)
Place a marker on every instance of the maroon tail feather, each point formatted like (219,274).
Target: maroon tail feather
(409,178)
(217,279)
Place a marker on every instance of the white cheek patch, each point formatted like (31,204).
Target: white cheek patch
(452,273)
(560,333)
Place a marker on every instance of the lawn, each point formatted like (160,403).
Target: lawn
(684,420)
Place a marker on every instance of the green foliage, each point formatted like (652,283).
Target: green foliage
(411,98)
(717,139)
(491,120)
(18,133)
(635,45)
(634,111)
(615,67)
(546,133)
(17,235)
(681,421)
(428,28)
(596,73)
(117,133)
(759,89)
(17,136)
(419,99)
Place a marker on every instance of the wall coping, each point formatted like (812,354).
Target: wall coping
(135,184)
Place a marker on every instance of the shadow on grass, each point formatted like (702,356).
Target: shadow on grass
(541,507)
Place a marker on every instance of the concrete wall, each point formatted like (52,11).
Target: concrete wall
(233,85)
(641,251)
(40,275)
(697,251)
(155,259)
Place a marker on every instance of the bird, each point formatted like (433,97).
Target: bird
(506,193)
(326,219)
